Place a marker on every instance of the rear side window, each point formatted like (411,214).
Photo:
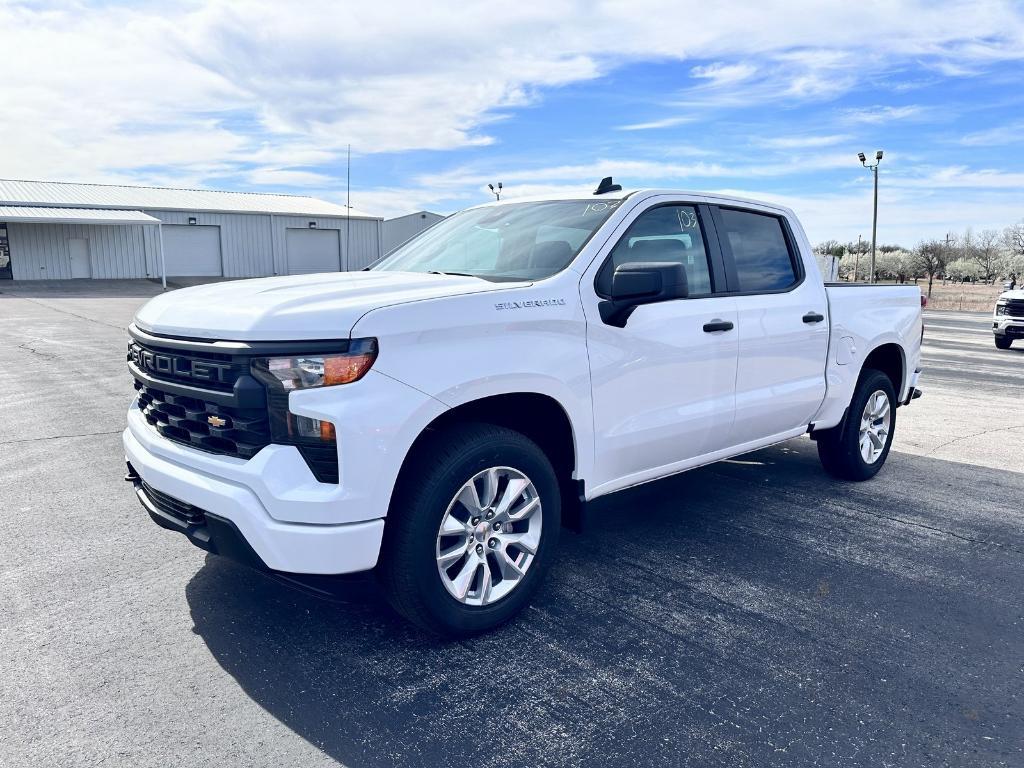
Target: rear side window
(759,249)
(668,233)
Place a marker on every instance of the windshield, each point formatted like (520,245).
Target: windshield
(518,241)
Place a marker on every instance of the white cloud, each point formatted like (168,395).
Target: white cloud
(285,177)
(802,142)
(666,122)
(724,74)
(995,137)
(184,93)
(881,114)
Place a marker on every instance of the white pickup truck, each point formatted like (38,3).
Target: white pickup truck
(438,416)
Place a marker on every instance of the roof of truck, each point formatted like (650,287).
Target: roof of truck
(644,192)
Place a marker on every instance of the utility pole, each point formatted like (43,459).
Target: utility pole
(874,218)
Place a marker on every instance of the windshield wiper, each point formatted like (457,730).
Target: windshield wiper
(455,274)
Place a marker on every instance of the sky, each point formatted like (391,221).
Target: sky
(770,100)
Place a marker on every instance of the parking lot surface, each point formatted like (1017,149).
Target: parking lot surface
(755,612)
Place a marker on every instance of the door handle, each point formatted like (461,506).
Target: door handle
(813,317)
(717,325)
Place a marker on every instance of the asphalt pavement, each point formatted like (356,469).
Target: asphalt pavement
(751,613)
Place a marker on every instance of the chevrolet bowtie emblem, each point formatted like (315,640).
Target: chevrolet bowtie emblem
(216,421)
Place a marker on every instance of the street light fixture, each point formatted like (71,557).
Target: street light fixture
(873,167)
(495,192)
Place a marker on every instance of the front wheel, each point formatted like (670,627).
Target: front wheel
(471,529)
(857,449)
(1003,342)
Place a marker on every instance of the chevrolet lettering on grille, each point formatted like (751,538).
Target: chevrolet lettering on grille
(163,364)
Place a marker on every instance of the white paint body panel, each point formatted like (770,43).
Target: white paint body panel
(656,397)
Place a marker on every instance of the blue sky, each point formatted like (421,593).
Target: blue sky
(767,99)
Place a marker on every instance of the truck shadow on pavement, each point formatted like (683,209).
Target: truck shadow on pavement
(751,612)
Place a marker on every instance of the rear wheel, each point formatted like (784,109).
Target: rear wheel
(471,529)
(1003,342)
(857,448)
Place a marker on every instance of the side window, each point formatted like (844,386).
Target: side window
(667,233)
(762,257)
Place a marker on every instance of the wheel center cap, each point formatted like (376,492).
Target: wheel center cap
(481,531)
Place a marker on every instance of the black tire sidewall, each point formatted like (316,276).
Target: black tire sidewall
(425,496)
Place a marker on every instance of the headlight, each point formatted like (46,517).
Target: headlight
(308,371)
(1001,309)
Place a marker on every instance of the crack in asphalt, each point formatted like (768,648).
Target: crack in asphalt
(929,527)
(974,434)
(25,346)
(59,437)
(66,312)
(858,510)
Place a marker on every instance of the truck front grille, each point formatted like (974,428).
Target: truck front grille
(202,394)
(204,425)
(1015,307)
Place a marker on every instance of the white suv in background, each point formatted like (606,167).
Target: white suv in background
(1008,318)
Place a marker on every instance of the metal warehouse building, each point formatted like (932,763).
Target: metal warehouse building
(57,230)
(398,230)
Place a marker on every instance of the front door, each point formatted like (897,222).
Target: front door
(78,252)
(662,385)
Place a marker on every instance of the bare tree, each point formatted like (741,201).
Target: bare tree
(988,254)
(1013,239)
(930,260)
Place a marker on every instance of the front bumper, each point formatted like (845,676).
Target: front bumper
(234,522)
(1008,326)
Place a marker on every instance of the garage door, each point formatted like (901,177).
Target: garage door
(192,251)
(313,250)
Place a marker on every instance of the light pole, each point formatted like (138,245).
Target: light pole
(874,219)
(495,192)
(856,261)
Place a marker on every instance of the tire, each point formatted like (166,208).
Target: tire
(440,470)
(1003,342)
(840,448)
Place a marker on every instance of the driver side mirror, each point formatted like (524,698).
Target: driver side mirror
(639,283)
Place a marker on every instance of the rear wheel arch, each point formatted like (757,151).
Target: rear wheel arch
(889,359)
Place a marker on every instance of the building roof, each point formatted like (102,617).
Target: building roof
(418,215)
(105,196)
(73,215)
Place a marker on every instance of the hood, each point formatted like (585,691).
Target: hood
(1015,294)
(320,306)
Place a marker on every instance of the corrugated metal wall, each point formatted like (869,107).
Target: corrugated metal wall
(252,245)
(397,231)
(40,251)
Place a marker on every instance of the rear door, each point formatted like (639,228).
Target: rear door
(781,326)
(663,384)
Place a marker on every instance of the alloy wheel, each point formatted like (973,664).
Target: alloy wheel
(875,423)
(489,536)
